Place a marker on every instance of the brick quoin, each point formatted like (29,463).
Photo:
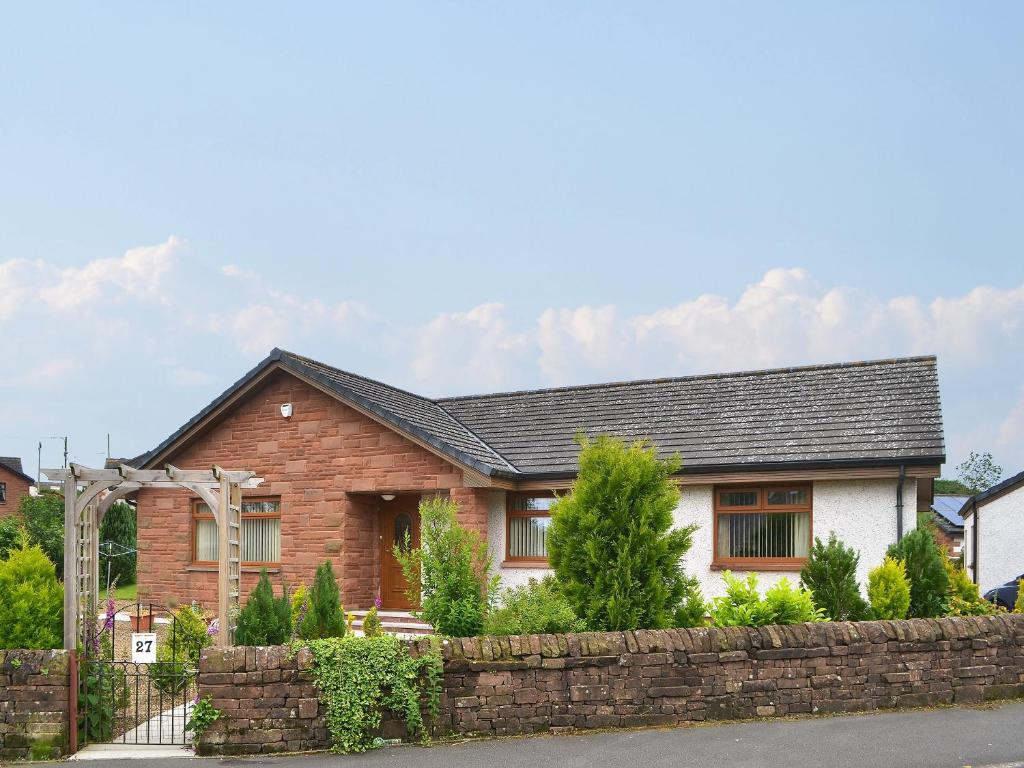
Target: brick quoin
(328,464)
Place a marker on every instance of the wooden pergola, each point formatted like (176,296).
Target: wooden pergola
(89,493)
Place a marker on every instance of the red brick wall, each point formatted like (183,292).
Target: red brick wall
(318,462)
(16,488)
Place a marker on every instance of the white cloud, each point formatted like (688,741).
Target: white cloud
(140,275)
(474,348)
(48,373)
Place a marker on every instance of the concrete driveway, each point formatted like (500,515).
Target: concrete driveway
(989,736)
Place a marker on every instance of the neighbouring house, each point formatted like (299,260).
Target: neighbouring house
(948,525)
(771,459)
(14,484)
(994,533)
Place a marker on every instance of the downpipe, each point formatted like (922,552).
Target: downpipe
(899,502)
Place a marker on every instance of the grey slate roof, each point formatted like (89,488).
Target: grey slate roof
(881,412)
(13,464)
(852,414)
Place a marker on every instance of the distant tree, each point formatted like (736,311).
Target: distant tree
(978,472)
(118,542)
(951,488)
(43,518)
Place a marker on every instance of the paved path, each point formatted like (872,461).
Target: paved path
(917,739)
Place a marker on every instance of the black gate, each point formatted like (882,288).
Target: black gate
(132,702)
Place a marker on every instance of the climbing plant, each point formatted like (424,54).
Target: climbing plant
(360,678)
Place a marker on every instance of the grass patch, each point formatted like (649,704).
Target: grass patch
(126,592)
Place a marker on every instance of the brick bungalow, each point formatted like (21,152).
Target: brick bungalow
(771,459)
(14,484)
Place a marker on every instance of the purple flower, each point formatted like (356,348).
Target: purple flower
(214,628)
(377,602)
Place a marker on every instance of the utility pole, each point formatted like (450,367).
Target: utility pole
(65,439)
(39,462)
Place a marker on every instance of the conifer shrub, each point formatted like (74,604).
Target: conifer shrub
(889,590)
(31,601)
(265,619)
(324,615)
(119,529)
(612,543)
(964,598)
(534,608)
(1018,606)
(372,626)
(926,571)
(451,568)
(831,575)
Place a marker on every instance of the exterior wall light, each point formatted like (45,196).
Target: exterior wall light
(388,496)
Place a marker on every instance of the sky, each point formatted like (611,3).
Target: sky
(472,197)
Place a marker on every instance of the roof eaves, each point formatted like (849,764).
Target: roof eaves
(999,488)
(15,470)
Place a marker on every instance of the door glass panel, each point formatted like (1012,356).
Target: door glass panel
(403,531)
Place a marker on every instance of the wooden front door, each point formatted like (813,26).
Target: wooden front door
(397,518)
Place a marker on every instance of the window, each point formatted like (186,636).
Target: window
(261,533)
(762,527)
(3,493)
(529,517)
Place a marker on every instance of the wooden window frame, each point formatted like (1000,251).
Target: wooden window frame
(762,508)
(518,560)
(197,515)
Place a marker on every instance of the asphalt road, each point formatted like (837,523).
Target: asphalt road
(977,737)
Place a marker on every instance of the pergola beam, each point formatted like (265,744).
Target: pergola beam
(221,490)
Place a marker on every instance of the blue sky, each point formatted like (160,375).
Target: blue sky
(466,197)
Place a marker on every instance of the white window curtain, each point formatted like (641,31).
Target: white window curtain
(260,536)
(784,534)
(528,536)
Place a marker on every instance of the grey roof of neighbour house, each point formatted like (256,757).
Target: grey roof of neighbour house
(1004,486)
(948,508)
(13,464)
(882,412)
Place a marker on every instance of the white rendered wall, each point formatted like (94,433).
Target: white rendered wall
(1000,539)
(861,512)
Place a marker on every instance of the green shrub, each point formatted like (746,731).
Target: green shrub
(1018,606)
(535,608)
(371,624)
(963,598)
(265,619)
(742,605)
(178,655)
(298,598)
(31,601)
(324,615)
(889,590)
(694,609)
(611,540)
(451,567)
(926,571)
(43,518)
(359,678)
(831,575)
(118,537)
(12,534)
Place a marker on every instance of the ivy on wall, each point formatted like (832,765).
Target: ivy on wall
(360,678)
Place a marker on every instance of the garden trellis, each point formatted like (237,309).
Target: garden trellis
(89,493)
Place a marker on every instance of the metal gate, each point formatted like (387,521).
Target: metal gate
(126,701)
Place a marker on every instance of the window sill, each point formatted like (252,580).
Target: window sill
(526,564)
(245,568)
(793,566)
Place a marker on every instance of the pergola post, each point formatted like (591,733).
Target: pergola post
(70,563)
(223,561)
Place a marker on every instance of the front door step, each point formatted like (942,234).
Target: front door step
(131,752)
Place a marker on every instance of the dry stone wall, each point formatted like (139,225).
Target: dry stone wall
(509,685)
(34,704)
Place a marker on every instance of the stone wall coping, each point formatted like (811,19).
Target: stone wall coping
(695,640)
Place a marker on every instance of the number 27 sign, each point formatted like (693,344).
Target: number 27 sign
(144,647)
